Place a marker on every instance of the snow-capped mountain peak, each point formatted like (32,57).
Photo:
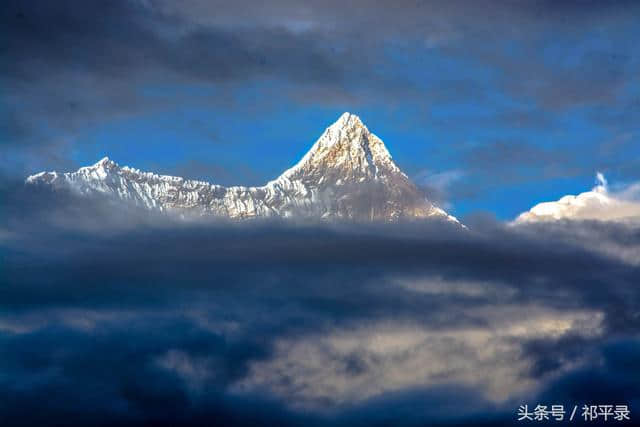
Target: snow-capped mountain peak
(101,167)
(348,173)
(105,162)
(347,148)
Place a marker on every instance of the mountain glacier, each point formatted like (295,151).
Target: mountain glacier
(347,174)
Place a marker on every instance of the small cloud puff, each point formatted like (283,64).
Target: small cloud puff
(599,204)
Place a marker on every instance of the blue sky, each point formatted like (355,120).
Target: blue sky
(492,108)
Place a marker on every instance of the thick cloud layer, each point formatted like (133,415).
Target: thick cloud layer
(108,318)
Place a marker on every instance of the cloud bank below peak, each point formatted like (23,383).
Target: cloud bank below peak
(274,323)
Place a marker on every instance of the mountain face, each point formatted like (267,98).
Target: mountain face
(347,174)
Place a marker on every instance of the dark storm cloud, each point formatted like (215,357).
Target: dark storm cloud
(612,376)
(37,218)
(110,318)
(116,39)
(73,63)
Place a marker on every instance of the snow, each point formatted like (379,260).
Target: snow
(345,163)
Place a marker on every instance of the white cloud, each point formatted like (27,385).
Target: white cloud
(348,365)
(598,204)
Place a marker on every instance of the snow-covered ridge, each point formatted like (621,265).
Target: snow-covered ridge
(348,173)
